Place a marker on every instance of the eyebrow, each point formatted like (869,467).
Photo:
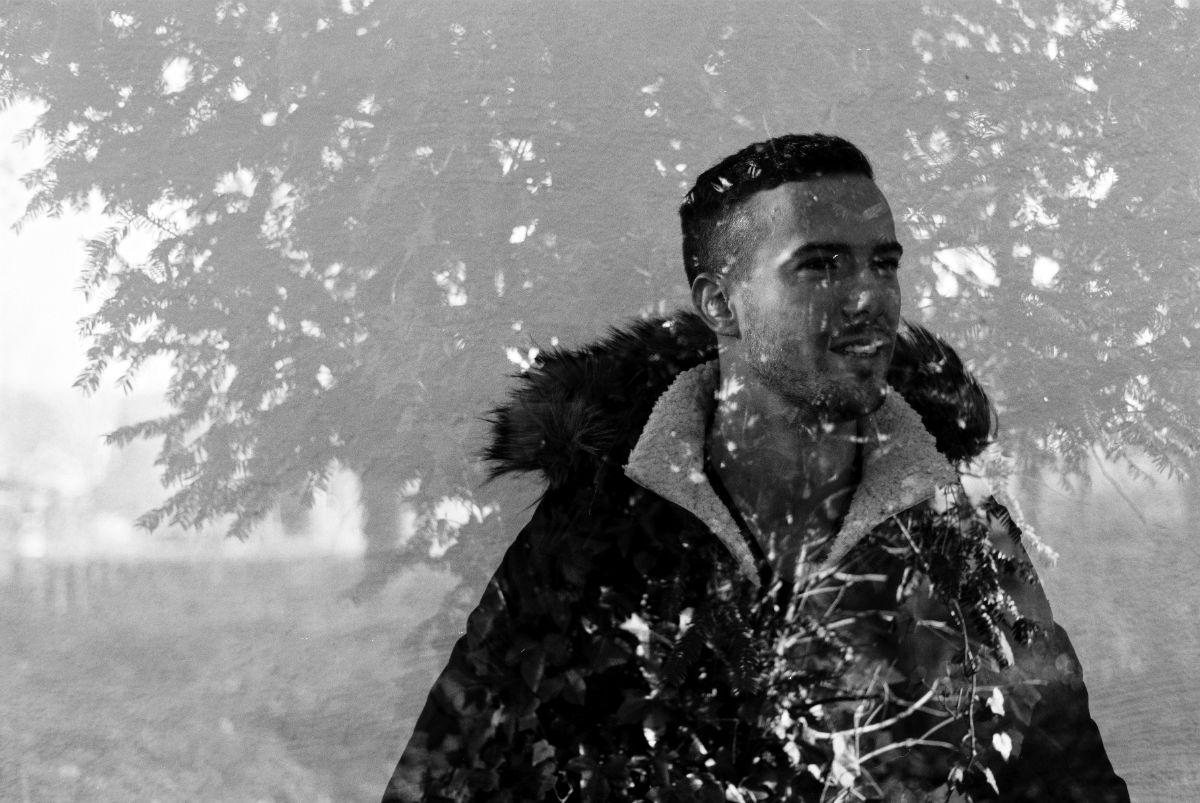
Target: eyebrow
(885,246)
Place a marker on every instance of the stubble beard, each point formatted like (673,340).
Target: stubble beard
(816,395)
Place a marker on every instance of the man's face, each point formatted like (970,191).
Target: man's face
(818,300)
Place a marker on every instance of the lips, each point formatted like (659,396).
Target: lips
(860,345)
(861,350)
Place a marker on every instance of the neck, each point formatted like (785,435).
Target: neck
(790,471)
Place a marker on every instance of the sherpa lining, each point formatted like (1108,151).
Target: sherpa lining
(901,465)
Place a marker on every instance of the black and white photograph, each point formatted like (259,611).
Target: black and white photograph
(431,401)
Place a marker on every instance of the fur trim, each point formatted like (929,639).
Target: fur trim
(579,412)
(932,379)
(669,459)
(902,466)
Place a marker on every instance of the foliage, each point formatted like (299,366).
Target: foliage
(355,210)
(1082,281)
(837,701)
(612,665)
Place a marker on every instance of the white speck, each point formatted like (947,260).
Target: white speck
(1045,270)
(519,233)
(240,181)
(512,152)
(1003,744)
(638,627)
(269,118)
(996,702)
(1086,83)
(452,281)
(324,377)
(651,89)
(523,361)
(730,386)
(685,619)
(238,91)
(176,74)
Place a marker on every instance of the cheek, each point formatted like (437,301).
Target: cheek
(892,293)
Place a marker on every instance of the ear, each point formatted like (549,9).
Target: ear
(710,297)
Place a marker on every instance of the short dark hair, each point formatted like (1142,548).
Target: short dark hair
(713,234)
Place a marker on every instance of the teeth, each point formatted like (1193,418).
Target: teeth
(861,351)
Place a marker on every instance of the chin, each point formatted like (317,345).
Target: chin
(858,403)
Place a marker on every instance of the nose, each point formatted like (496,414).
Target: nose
(865,295)
(858,305)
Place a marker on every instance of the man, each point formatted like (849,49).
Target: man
(754,574)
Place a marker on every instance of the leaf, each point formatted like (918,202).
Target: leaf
(533,666)
(542,751)
(995,702)
(576,691)
(1003,744)
(991,779)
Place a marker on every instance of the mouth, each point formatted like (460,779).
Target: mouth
(860,347)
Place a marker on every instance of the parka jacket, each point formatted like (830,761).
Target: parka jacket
(635,645)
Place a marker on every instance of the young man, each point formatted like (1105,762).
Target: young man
(754,574)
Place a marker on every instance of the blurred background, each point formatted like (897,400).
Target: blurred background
(265,266)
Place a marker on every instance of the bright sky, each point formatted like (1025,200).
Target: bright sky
(40,349)
(41,352)
(51,434)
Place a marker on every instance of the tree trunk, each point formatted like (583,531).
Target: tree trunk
(386,528)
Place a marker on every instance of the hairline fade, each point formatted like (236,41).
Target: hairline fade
(714,235)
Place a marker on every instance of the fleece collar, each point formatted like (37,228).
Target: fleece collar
(901,464)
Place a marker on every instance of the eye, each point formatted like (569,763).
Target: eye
(823,263)
(888,264)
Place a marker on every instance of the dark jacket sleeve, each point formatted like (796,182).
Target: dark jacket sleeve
(1062,755)
(539,673)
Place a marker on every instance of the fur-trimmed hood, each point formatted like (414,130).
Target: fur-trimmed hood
(578,413)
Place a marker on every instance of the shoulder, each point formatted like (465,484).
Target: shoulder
(929,374)
(579,411)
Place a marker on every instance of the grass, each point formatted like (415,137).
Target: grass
(259,681)
(221,682)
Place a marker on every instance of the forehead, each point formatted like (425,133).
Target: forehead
(828,204)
